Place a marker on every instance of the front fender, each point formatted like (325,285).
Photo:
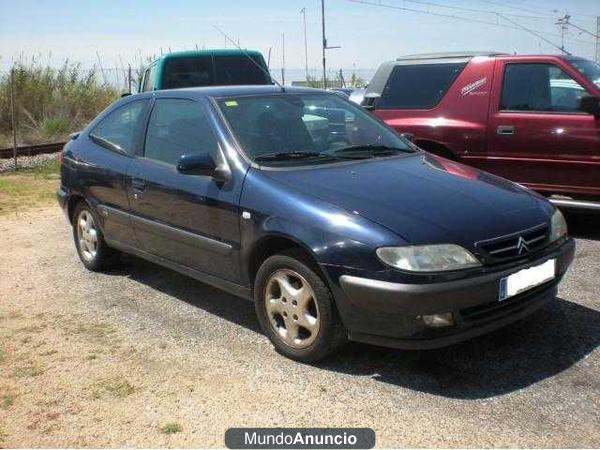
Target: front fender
(332,235)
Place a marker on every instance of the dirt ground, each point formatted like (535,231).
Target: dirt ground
(145,357)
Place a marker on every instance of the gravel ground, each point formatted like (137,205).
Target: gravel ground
(25,162)
(110,359)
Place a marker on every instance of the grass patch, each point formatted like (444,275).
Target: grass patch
(171,428)
(117,387)
(29,188)
(6,401)
(28,371)
(2,356)
(3,435)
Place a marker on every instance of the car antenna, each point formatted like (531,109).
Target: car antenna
(250,58)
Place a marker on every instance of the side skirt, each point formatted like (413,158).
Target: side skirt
(228,286)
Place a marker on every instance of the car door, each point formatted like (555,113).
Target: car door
(537,133)
(187,219)
(103,167)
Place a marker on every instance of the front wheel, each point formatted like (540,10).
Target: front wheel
(89,241)
(296,309)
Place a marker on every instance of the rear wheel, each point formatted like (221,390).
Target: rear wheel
(89,241)
(296,309)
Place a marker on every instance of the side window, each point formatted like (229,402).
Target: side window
(178,127)
(539,87)
(117,131)
(420,86)
(149,77)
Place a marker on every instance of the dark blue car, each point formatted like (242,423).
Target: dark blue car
(337,227)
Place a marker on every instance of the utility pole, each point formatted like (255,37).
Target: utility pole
(325,47)
(563,22)
(13,116)
(303,12)
(598,39)
(129,78)
(282,58)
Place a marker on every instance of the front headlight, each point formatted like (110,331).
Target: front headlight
(428,258)
(558,226)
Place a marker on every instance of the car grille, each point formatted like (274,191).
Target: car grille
(515,245)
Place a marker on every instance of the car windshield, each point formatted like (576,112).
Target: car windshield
(589,69)
(290,129)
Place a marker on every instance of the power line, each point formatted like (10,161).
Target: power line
(535,11)
(517,8)
(471,20)
(484,11)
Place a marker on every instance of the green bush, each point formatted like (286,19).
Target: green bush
(50,102)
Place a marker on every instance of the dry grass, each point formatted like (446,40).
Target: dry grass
(50,102)
(28,189)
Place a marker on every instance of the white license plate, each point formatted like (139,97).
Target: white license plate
(526,279)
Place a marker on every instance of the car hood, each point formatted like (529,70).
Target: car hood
(423,198)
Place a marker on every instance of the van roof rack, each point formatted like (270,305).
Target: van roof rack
(448,55)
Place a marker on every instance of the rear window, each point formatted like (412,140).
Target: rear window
(420,86)
(188,72)
(213,70)
(240,70)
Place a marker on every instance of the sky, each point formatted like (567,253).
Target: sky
(116,33)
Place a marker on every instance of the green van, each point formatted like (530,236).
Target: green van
(205,68)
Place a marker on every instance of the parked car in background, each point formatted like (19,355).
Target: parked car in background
(205,68)
(336,232)
(532,119)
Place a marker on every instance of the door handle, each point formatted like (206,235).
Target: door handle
(505,130)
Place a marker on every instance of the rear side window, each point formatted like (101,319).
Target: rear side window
(420,86)
(187,72)
(231,70)
(149,77)
(540,87)
(118,130)
(178,127)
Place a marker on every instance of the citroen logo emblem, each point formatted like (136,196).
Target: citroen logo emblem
(522,246)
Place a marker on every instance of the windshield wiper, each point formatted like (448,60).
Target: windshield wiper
(371,150)
(285,156)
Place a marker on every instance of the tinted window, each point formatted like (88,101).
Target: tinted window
(589,69)
(188,72)
(118,129)
(178,127)
(149,77)
(539,87)
(419,86)
(319,123)
(236,69)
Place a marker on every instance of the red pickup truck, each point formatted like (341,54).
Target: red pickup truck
(532,119)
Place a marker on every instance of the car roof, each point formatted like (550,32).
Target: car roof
(233,91)
(207,52)
(448,55)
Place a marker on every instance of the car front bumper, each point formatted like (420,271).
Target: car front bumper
(390,314)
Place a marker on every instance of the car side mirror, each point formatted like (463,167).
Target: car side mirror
(369,101)
(202,164)
(408,136)
(590,105)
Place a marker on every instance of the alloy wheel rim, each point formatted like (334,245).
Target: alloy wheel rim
(87,235)
(292,308)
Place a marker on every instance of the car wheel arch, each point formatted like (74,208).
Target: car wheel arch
(273,244)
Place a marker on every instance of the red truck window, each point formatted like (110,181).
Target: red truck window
(540,87)
(419,86)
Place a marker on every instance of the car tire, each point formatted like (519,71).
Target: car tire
(296,309)
(89,241)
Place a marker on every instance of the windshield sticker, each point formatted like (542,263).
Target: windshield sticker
(472,87)
(231,103)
